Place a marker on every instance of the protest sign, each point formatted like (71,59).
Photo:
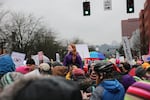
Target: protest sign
(18,58)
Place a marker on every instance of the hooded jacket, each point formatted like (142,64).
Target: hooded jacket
(108,90)
(6,64)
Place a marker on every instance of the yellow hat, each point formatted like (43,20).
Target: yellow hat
(145,65)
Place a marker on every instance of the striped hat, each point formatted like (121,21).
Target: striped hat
(9,78)
(138,91)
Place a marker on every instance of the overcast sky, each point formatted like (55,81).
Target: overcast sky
(65,17)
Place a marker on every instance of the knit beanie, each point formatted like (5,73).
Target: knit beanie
(45,68)
(23,69)
(78,74)
(145,65)
(9,78)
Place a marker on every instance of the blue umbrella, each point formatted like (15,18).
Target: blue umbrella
(95,54)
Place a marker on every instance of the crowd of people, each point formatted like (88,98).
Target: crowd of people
(67,80)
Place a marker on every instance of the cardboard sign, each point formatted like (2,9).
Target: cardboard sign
(18,58)
(127,50)
(83,50)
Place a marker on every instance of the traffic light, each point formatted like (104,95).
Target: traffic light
(86,8)
(130,6)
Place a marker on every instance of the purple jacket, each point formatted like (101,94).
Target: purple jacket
(127,80)
(68,60)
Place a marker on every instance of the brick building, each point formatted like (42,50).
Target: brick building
(129,26)
(144,19)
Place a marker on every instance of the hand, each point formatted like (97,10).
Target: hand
(85,96)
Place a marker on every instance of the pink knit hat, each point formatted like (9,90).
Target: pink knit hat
(23,69)
(78,72)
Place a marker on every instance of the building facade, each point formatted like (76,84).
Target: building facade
(144,19)
(129,26)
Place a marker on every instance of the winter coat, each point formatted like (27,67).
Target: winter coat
(127,80)
(68,60)
(108,90)
(6,64)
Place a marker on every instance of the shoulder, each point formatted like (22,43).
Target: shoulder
(67,55)
(78,54)
(97,93)
(99,89)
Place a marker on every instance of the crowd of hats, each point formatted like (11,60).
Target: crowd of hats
(47,84)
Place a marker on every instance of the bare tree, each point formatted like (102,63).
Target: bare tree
(20,29)
(27,34)
(3,16)
(135,43)
(77,40)
(47,43)
(136,40)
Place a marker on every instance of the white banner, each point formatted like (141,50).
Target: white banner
(127,49)
(107,5)
(83,50)
(18,58)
